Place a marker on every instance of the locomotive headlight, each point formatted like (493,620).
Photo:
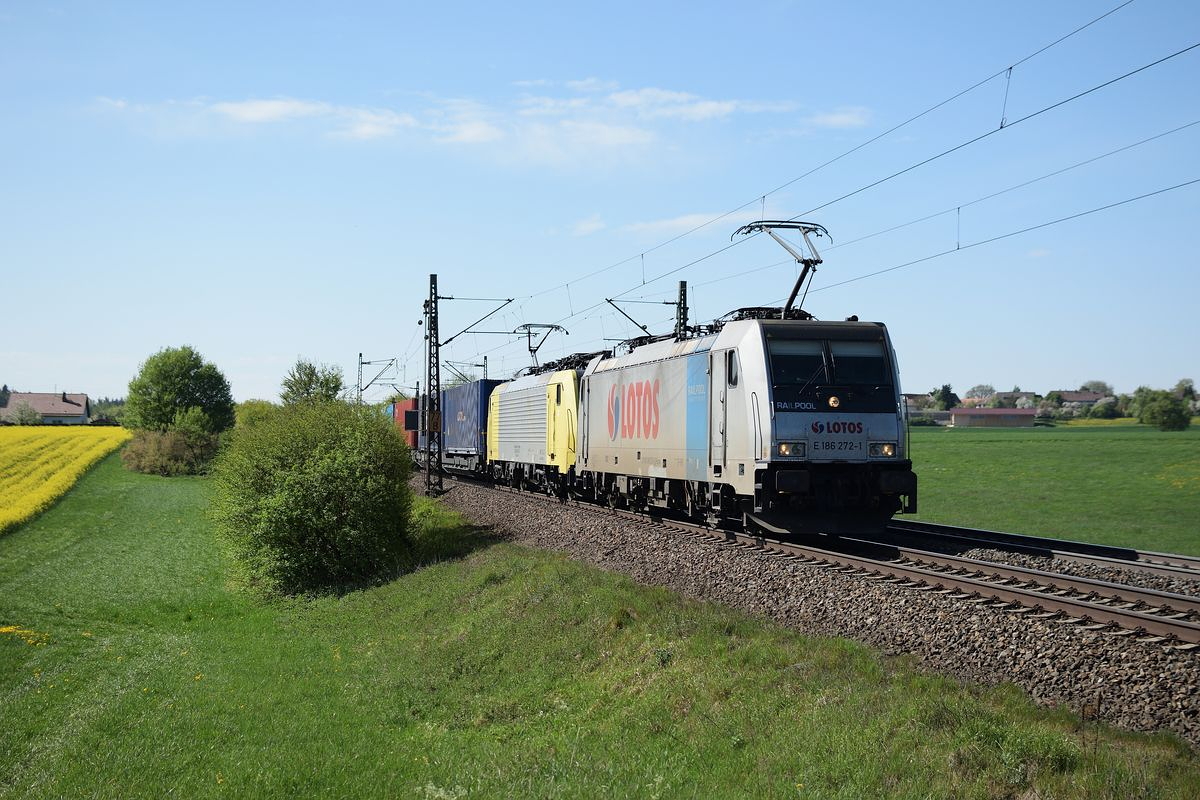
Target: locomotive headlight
(835,401)
(883,450)
(791,449)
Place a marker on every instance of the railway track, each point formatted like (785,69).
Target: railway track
(1168,564)
(1146,615)
(1151,616)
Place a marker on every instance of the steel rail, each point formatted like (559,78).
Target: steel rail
(1043,581)
(1079,609)
(1170,564)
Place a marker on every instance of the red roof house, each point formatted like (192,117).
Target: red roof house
(56,409)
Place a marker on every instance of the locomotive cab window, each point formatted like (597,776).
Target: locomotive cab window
(731,367)
(859,363)
(558,394)
(797,362)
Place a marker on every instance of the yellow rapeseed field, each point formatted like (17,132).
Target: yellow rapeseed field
(39,464)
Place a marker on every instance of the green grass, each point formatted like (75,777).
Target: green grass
(497,671)
(1128,485)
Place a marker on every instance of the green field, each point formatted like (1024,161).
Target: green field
(1128,485)
(128,668)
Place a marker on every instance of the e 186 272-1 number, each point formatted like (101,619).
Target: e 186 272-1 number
(837,446)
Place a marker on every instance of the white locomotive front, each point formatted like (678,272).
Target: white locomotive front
(839,446)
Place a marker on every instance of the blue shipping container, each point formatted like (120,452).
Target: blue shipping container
(464,417)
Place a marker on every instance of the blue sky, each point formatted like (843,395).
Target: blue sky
(270,181)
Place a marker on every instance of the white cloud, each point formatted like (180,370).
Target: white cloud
(459,121)
(367,124)
(552,106)
(592,85)
(350,122)
(842,117)
(578,123)
(1039,253)
(649,97)
(663,103)
(271,110)
(687,222)
(575,144)
(590,225)
(605,135)
(471,131)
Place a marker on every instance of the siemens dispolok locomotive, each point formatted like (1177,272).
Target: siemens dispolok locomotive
(789,424)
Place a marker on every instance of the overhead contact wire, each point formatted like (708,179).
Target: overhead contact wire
(849,152)
(1011,234)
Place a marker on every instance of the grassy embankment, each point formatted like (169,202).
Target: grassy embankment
(128,668)
(1128,485)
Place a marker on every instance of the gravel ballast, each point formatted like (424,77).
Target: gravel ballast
(1136,686)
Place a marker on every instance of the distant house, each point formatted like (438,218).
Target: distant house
(56,409)
(992,417)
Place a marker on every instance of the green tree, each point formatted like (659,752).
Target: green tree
(1138,400)
(172,380)
(307,382)
(1105,408)
(195,429)
(1099,387)
(944,398)
(1165,411)
(4,393)
(1185,389)
(108,408)
(252,412)
(981,391)
(314,498)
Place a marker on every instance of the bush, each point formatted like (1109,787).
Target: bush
(251,412)
(169,453)
(1166,411)
(314,498)
(1105,409)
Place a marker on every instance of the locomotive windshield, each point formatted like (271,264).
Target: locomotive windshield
(798,363)
(859,362)
(806,372)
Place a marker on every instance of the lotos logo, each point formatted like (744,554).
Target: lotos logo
(837,427)
(633,411)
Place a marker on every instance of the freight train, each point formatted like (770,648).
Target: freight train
(789,425)
(773,419)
